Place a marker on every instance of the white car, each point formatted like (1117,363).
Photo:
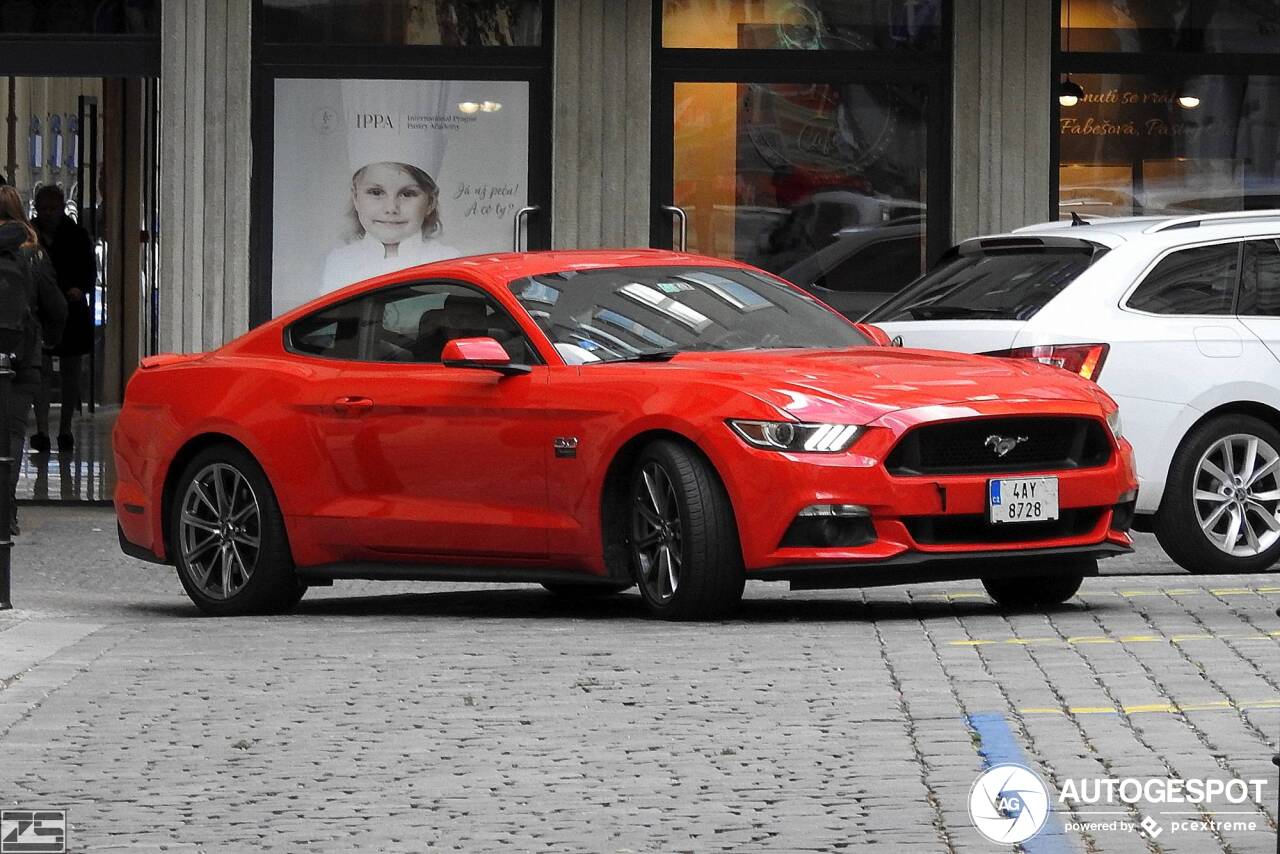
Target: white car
(1178,319)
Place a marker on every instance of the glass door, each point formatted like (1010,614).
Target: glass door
(832,172)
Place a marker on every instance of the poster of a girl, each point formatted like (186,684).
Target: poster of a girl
(394,223)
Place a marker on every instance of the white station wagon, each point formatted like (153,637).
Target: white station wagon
(1178,319)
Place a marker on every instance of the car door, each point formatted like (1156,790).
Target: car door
(1259,306)
(433,463)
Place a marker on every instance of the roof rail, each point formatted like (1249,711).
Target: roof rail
(1197,220)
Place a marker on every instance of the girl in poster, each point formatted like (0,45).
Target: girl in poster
(394,219)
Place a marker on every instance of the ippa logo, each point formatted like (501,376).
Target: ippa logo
(1009,804)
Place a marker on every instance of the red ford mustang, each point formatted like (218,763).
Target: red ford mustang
(593,420)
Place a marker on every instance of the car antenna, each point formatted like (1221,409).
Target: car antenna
(1076,219)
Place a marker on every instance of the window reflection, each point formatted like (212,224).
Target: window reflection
(447,23)
(1192,26)
(95,17)
(800,179)
(803,24)
(1170,144)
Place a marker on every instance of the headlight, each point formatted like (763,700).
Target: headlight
(794,436)
(1113,421)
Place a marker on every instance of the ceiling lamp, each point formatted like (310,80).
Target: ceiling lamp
(1188,101)
(1069,92)
(469,107)
(491,106)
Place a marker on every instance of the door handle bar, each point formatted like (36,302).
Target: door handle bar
(521,216)
(682,243)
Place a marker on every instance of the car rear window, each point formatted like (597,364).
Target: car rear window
(991,280)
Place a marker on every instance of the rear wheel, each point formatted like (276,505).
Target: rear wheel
(1037,592)
(683,538)
(228,537)
(1221,505)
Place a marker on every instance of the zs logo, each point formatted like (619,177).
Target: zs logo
(33,831)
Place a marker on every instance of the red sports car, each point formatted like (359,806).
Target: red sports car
(593,420)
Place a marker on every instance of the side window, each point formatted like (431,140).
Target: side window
(407,323)
(1191,281)
(333,332)
(414,322)
(1260,279)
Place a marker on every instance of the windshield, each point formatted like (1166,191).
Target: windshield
(650,313)
(989,283)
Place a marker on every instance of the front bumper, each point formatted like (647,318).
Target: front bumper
(779,486)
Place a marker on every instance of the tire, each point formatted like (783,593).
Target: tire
(222,571)
(569,590)
(1196,530)
(681,527)
(1040,592)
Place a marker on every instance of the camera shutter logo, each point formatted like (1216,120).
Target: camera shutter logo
(1009,804)
(33,831)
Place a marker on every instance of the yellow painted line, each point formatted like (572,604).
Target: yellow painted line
(1094,640)
(1153,708)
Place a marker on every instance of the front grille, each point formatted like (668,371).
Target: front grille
(965,528)
(965,447)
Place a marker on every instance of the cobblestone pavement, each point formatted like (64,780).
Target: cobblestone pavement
(403,717)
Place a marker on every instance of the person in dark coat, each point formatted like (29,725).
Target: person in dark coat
(18,240)
(71,251)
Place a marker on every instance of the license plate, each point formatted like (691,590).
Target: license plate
(1022,499)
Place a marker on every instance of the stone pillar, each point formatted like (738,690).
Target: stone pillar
(205,156)
(600,145)
(1001,115)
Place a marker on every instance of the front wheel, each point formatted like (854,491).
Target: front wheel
(228,539)
(1039,592)
(683,538)
(1221,507)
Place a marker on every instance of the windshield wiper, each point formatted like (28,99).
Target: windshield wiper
(646,356)
(944,312)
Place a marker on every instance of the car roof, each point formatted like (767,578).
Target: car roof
(496,269)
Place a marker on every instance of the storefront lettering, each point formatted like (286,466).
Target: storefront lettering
(1098,127)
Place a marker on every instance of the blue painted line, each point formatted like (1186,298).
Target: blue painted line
(1000,747)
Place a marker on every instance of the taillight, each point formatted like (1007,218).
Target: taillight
(1083,359)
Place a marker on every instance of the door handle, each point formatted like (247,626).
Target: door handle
(521,216)
(681,242)
(352,405)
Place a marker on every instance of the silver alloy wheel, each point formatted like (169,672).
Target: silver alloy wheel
(1237,495)
(656,535)
(220,530)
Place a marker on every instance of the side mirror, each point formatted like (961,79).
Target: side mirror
(876,334)
(484,353)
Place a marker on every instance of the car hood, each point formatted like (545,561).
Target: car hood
(869,382)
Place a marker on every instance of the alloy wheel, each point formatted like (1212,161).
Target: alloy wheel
(1237,495)
(656,533)
(220,530)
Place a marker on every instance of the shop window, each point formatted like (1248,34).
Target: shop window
(803,24)
(774,173)
(1170,144)
(1195,281)
(80,17)
(447,23)
(1190,26)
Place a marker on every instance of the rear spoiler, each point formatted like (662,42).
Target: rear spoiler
(162,359)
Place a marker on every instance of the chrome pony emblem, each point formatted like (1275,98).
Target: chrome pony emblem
(1002,445)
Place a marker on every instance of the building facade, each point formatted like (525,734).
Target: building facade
(267,151)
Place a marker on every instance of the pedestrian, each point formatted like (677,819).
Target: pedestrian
(32,313)
(71,251)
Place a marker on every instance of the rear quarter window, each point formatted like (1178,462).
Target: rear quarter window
(1196,281)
